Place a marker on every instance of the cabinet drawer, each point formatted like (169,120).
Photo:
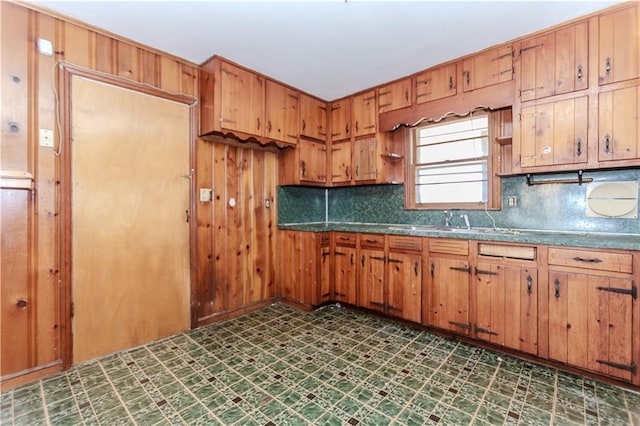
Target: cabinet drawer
(405,243)
(590,259)
(507,252)
(372,241)
(345,239)
(449,246)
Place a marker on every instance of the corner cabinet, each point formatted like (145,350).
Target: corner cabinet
(245,104)
(313,118)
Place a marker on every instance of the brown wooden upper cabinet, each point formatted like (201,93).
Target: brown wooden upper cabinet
(281,113)
(341,119)
(242,95)
(490,67)
(555,62)
(313,161)
(365,159)
(364,114)
(394,96)
(238,101)
(619,125)
(341,163)
(436,83)
(619,50)
(554,133)
(313,118)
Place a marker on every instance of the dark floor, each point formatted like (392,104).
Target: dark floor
(281,366)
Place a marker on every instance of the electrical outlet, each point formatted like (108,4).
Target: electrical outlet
(512,201)
(206,194)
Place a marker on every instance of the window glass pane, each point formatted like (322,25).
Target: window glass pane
(451,151)
(464,192)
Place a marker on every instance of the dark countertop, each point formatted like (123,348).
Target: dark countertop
(528,236)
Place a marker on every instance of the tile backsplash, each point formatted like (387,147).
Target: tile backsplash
(548,206)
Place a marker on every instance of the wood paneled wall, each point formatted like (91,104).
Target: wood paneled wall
(236,231)
(30,261)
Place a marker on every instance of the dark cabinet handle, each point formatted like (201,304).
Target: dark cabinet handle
(362,261)
(346,128)
(607,144)
(352,258)
(269,126)
(304,125)
(433,267)
(258,123)
(467,76)
(303,169)
(583,259)
(556,286)
(372,241)
(579,74)
(450,82)
(357,128)
(607,66)
(21,303)
(406,95)
(415,268)
(529,284)
(579,147)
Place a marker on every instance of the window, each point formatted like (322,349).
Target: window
(450,164)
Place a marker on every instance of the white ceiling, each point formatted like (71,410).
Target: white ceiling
(328,48)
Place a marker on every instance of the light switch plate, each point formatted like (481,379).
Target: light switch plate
(206,194)
(46,138)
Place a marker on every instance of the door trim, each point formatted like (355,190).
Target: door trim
(66,72)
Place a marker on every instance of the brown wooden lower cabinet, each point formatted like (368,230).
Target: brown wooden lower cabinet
(390,278)
(574,306)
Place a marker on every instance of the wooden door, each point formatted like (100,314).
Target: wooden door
(507,306)
(242,100)
(372,279)
(345,274)
(619,124)
(364,114)
(341,120)
(485,69)
(282,115)
(448,294)
(554,133)
(619,54)
(404,290)
(554,63)
(313,118)
(129,212)
(341,162)
(365,159)
(394,96)
(590,322)
(436,83)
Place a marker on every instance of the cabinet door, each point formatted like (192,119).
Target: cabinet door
(590,322)
(436,83)
(372,263)
(313,118)
(364,114)
(282,113)
(341,120)
(290,272)
(507,306)
(554,63)
(619,124)
(313,161)
(485,69)
(242,100)
(309,278)
(448,294)
(619,46)
(326,290)
(345,274)
(404,292)
(394,96)
(554,133)
(365,159)
(341,163)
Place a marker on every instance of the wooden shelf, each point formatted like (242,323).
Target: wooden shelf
(504,140)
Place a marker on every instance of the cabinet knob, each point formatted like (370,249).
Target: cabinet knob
(579,75)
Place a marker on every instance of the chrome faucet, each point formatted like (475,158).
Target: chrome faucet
(448,215)
(466,220)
